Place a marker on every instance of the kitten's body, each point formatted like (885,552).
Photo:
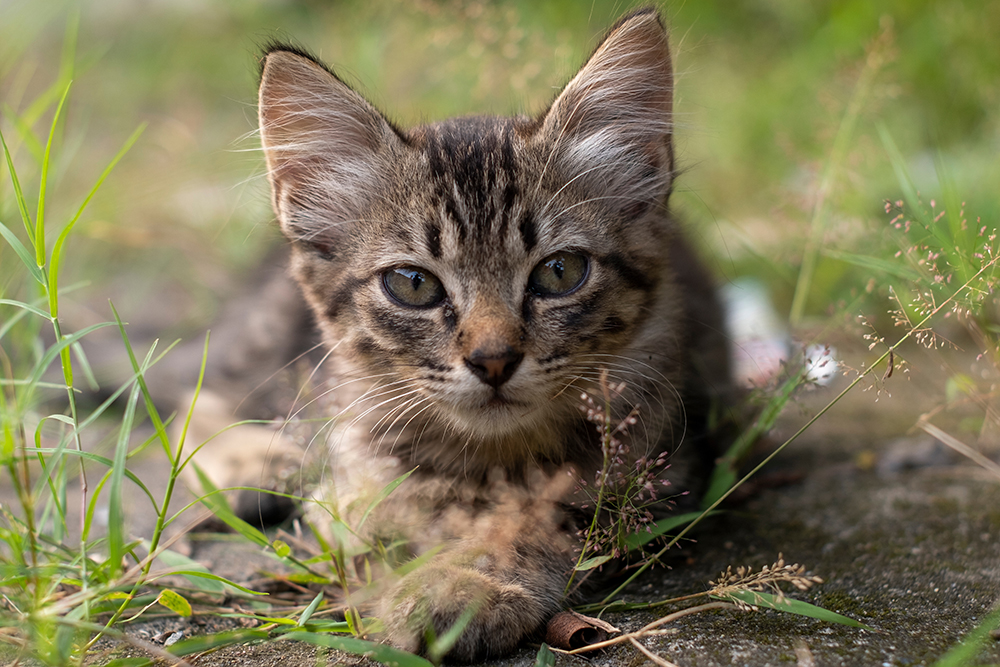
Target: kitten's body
(472,277)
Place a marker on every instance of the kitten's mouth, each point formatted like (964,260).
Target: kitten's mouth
(497,414)
(492,413)
(502,405)
(496,402)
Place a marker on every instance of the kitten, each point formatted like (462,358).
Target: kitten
(472,278)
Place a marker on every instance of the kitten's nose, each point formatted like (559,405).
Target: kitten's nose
(494,368)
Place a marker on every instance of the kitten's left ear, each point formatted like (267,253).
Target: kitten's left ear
(611,126)
(327,148)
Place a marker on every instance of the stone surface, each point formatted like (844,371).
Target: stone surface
(911,549)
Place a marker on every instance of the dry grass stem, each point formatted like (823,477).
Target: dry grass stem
(803,656)
(655,659)
(651,629)
(959,447)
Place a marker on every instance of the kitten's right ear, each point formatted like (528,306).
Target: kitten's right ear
(612,124)
(325,146)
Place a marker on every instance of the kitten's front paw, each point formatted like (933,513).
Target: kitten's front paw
(428,602)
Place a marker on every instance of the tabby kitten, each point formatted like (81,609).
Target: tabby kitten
(472,277)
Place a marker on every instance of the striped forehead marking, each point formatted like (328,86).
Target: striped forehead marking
(473,169)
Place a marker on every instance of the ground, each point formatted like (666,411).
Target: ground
(905,535)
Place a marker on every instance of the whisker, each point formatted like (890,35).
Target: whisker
(312,373)
(415,394)
(357,418)
(408,422)
(330,390)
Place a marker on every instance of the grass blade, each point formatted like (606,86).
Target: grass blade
(22,205)
(56,259)
(382,495)
(792,606)
(23,254)
(193,571)
(591,563)
(308,611)
(965,652)
(58,347)
(387,655)
(97,458)
(214,500)
(636,540)
(43,181)
(22,124)
(545,657)
(878,55)
(195,575)
(25,306)
(439,648)
(726,470)
(88,519)
(202,643)
(874,264)
(154,414)
(912,195)
(116,510)
(175,602)
(88,372)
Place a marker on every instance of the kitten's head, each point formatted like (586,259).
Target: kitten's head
(480,271)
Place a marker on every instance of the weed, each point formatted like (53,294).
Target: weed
(731,584)
(623,488)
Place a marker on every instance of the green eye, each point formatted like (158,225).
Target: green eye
(410,286)
(558,274)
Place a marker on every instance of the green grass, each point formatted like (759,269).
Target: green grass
(796,122)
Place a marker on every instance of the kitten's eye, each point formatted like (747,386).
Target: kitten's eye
(413,287)
(558,274)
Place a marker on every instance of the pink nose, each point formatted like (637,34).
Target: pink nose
(494,369)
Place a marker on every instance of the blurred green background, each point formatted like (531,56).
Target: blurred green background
(762,88)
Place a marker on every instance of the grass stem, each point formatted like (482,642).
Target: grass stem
(877,57)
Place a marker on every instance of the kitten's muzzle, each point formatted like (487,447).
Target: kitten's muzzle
(494,368)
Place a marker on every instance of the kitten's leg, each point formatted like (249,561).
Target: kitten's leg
(505,581)
(505,605)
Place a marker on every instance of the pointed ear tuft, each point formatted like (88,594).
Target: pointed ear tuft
(611,126)
(325,146)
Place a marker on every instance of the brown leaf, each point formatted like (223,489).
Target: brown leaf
(569,630)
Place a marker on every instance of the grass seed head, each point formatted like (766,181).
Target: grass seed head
(768,579)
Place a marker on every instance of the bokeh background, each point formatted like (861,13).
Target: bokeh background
(763,88)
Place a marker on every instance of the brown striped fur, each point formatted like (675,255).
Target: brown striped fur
(480,391)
